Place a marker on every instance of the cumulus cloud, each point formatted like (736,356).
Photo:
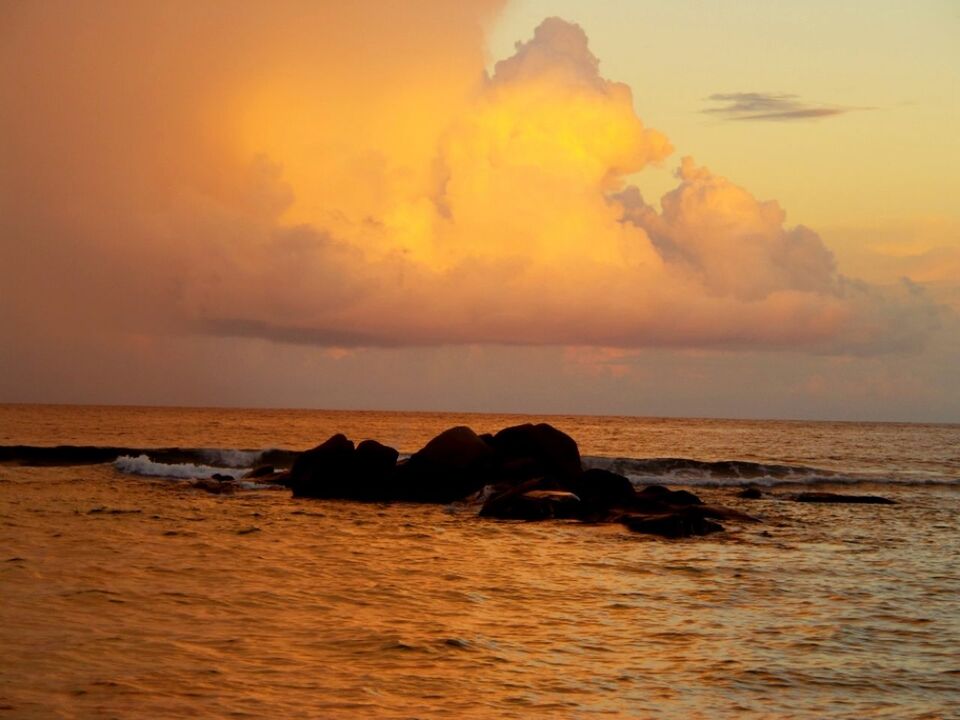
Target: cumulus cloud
(270,177)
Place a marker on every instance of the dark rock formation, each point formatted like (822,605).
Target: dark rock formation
(326,471)
(533,505)
(826,497)
(537,450)
(214,487)
(374,464)
(659,493)
(455,464)
(604,489)
(750,493)
(532,472)
(679,523)
(337,469)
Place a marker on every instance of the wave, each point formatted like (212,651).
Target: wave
(721,473)
(143,465)
(96,454)
(204,462)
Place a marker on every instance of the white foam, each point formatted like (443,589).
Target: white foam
(231,458)
(143,465)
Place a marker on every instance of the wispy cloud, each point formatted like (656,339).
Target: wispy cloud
(769,107)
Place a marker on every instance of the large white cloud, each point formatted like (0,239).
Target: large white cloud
(307,189)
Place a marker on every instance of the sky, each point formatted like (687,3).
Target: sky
(684,208)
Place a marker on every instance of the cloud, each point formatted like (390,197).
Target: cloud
(307,188)
(769,107)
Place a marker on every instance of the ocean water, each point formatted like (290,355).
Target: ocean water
(125,592)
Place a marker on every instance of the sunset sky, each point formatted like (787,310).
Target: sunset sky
(725,209)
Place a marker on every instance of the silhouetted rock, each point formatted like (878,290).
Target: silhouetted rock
(220,477)
(604,489)
(214,487)
(538,450)
(826,497)
(326,471)
(668,496)
(750,493)
(530,472)
(454,464)
(533,505)
(374,465)
(680,523)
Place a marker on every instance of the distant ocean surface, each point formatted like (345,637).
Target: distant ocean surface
(126,593)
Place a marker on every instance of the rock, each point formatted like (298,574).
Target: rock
(750,493)
(533,505)
(454,464)
(604,489)
(337,469)
(670,497)
(680,523)
(374,465)
(220,477)
(826,497)
(326,471)
(546,450)
(214,487)
(458,447)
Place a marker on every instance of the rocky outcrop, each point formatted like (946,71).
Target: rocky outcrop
(326,471)
(602,490)
(454,464)
(826,497)
(528,472)
(528,450)
(534,505)
(661,494)
(679,523)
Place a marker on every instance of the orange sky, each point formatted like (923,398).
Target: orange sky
(362,194)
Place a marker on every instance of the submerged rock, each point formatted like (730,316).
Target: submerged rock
(215,487)
(680,523)
(668,496)
(826,497)
(533,505)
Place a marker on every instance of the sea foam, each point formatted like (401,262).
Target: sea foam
(143,465)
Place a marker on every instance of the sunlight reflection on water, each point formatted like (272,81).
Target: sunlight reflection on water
(334,609)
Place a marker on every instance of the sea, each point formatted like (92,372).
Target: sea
(126,592)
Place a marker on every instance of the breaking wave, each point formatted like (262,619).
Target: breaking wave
(143,465)
(197,463)
(719,473)
(96,454)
